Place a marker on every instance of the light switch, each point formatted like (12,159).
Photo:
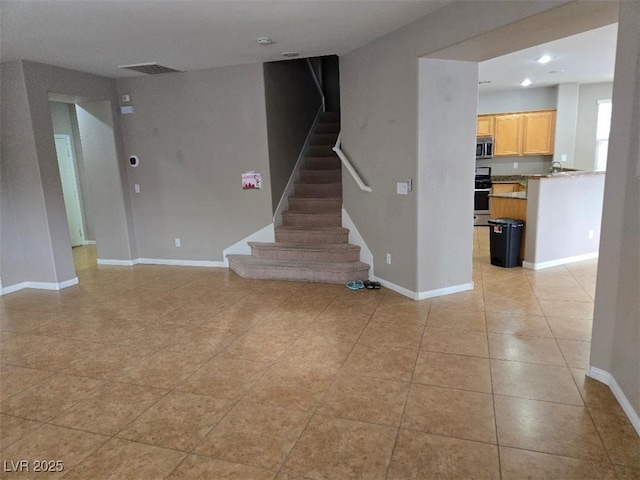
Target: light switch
(402,188)
(136,188)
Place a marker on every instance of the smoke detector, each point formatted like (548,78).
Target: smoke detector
(151,68)
(265,41)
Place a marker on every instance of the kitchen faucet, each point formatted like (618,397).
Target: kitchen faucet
(554,168)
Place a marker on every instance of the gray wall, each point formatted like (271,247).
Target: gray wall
(292,102)
(65,122)
(379,96)
(195,133)
(560,213)
(38,208)
(587,120)
(566,124)
(615,346)
(521,100)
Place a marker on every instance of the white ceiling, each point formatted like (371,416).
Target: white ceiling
(97,36)
(588,57)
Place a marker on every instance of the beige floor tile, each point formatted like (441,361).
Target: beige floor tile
(536,382)
(339,448)
(334,331)
(224,377)
(255,435)
(554,428)
(204,340)
(589,285)
(14,428)
(513,324)
(458,319)
(455,413)
(23,321)
(419,456)
(53,443)
(178,421)
(50,397)
(290,387)
(191,316)
(392,335)
(164,369)
(196,467)
(576,353)
(108,362)
(574,293)
(307,353)
(471,300)
(402,314)
(453,371)
(235,318)
(123,459)
(259,346)
(594,393)
(618,435)
(391,363)
(367,399)
(571,328)
(109,409)
(518,464)
(283,322)
(567,309)
(460,342)
(16,379)
(18,350)
(522,348)
(520,305)
(627,473)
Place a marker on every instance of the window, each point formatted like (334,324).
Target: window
(602,134)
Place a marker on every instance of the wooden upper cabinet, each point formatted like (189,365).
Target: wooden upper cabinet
(524,133)
(485,126)
(539,132)
(507,140)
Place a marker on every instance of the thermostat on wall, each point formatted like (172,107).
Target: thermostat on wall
(134,161)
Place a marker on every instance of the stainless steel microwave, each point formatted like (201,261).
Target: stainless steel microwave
(484,147)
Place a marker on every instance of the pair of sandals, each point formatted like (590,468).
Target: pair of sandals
(358,285)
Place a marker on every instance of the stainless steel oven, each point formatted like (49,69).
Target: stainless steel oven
(481,196)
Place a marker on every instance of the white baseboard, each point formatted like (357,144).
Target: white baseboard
(608,379)
(39,286)
(356,239)
(89,242)
(397,288)
(438,292)
(182,263)
(559,261)
(111,261)
(265,234)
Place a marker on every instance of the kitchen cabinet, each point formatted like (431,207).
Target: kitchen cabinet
(507,187)
(523,133)
(485,126)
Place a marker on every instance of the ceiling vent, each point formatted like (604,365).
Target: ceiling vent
(152,68)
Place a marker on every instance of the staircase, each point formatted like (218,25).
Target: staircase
(311,245)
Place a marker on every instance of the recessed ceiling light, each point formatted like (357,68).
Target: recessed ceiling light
(556,71)
(265,41)
(290,54)
(526,82)
(544,59)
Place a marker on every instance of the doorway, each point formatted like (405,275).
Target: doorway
(70,189)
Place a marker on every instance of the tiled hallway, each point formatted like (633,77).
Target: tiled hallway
(153,372)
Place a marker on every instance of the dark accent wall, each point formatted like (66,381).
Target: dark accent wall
(292,102)
(331,82)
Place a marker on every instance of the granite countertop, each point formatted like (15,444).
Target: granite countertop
(517,195)
(570,173)
(521,179)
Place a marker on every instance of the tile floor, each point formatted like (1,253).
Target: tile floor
(171,372)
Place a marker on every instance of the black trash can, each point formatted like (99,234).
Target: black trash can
(505,241)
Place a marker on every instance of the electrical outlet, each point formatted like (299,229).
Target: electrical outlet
(515,165)
(388,259)
(564,157)
(591,234)
(176,241)
(136,188)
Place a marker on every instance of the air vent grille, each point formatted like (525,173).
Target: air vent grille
(149,68)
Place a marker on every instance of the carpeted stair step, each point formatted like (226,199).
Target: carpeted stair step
(321,151)
(324,139)
(318,189)
(312,219)
(323,163)
(320,176)
(325,204)
(312,234)
(248,266)
(328,127)
(327,252)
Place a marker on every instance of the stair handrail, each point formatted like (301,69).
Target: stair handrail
(317,82)
(348,166)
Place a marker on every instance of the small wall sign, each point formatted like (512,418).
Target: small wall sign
(251,181)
